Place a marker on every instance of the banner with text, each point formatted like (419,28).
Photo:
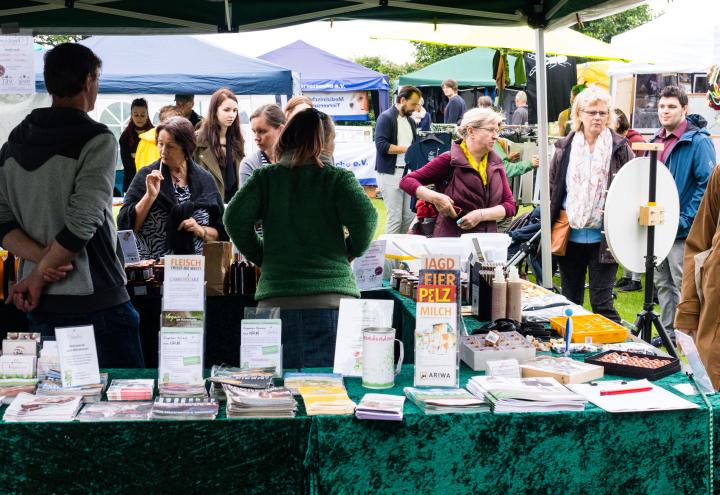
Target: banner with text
(351,105)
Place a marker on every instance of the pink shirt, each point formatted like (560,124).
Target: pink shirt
(670,140)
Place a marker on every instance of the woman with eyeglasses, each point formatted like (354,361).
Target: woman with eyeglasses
(582,169)
(173,205)
(304,204)
(471,189)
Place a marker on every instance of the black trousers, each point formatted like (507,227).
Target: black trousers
(582,258)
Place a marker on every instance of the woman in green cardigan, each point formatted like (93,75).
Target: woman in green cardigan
(305,205)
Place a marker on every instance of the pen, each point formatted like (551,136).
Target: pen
(625,391)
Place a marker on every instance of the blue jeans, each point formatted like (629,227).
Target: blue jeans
(308,337)
(117,333)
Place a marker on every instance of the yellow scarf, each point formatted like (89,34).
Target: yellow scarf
(480,167)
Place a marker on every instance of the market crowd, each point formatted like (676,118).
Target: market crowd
(187,181)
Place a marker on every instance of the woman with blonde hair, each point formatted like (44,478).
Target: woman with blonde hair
(220,144)
(471,189)
(305,205)
(581,172)
(297,104)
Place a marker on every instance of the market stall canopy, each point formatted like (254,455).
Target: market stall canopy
(520,38)
(179,64)
(688,32)
(322,71)
(211,16)
(472,68)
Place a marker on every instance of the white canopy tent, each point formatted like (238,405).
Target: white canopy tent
(687,33)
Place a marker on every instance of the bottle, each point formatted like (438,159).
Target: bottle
(514,295)
(3,256)
(232,276)
(9,273)
(499,295)
(249,279)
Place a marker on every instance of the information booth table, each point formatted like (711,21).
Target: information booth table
(588,452)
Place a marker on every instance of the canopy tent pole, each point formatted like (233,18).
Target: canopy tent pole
(544,170)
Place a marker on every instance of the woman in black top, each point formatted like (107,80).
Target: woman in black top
(173,205)
(220,144)
(139,122)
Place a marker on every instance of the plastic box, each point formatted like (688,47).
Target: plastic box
(512,345)
(593,329)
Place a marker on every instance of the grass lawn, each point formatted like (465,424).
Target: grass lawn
(628,304)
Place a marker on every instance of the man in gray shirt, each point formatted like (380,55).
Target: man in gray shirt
(56,181)
(520,115)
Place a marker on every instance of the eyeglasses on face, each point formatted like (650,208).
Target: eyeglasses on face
(595,113)
(491,130)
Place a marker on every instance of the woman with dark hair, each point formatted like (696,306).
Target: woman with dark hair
(130,138)
(220,144)
(173,205)
(267,122)
(305,204)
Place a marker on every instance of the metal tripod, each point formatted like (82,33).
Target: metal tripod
(647,318)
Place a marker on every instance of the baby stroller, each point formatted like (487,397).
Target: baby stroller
(524,248)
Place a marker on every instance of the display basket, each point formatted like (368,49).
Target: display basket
(591,329)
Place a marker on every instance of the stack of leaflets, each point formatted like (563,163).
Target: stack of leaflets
(539,394)
(293,381)
(190,390)
(116,411)
(253,403)
(254,378)
(48,360)
(124,389)
(17,374)
(326,400)
(381,406)
(30,408)
(52,385)
(184,408)
(446,400)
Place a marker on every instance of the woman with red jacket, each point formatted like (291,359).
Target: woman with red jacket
(472,192)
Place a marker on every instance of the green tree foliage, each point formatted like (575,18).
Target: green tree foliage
(607,27)
(429,53)
(50,40)
(384,66)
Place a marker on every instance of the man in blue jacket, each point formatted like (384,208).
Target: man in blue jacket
(395,131)
(690,155)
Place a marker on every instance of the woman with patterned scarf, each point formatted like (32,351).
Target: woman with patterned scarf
(582,169)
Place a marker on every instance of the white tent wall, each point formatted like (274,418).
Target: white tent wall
(687,33)
(113,110)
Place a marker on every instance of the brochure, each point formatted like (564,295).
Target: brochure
(437,320)
(368,268)
(78,356)
(354,315)
(261,344)
(619,396)
(184,283)
(539,394)
(446,400)
(381,407)
(181,348)
(128,245)
(116,411)
(126,389)
(31,408)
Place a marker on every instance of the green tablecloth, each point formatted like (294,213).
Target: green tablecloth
(590,452)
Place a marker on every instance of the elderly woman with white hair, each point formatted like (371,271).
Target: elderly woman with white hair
(582,169)
(471,189)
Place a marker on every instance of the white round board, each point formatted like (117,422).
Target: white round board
(626,238)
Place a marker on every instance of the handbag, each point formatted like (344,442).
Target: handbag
(560,234)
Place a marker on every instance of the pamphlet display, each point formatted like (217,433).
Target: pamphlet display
(368,269)
(261,344)
(128,245)
(78,356)
(437,322)
(354,316)
(181,348)
(184,285)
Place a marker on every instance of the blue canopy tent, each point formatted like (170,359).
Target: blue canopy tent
(321,71)
(179,65)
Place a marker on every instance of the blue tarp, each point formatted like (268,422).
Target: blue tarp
(179,65)
(324,72)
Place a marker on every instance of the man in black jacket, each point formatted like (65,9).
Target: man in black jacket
(395,131)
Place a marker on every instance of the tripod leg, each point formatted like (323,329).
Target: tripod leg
(663,334)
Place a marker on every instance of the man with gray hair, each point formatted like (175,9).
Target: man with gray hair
(520,115)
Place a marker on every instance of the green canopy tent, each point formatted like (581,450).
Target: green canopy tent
(204,16)
(472,68)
